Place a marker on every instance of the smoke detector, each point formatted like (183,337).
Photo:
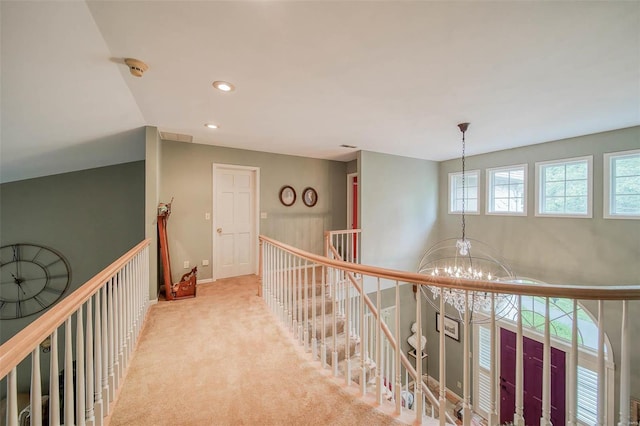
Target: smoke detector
(136,66)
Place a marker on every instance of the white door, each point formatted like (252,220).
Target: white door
(235,221)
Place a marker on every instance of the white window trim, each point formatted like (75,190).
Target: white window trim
(607,185)
(589,214)
(467,172)
(488,184)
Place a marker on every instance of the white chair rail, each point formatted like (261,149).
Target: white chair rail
(333,308)
(90,336)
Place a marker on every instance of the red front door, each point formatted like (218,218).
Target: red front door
(532,387)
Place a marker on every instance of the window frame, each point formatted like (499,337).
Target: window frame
(607,182)
(489,189)
(452,175)
(539,196)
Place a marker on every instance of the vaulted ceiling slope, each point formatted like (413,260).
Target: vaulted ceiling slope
(391,77)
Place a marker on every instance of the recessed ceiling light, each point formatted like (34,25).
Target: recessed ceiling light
(211,125)
(224,86)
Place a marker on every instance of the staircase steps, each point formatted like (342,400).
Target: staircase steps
(328,328)
(341,348)
(356,369)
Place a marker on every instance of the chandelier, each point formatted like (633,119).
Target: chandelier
(465,258)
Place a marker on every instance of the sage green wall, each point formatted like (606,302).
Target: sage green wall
(186,175)
(593,251)
(398,208)
(91,216)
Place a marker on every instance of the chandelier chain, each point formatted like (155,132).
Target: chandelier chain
(464,188)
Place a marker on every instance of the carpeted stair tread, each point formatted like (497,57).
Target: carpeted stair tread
(327,326)
(356,369)
(341,348)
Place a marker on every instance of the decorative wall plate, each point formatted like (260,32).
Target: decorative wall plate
(309,197)
(287,195)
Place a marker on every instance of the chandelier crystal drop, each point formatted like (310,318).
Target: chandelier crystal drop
(464,258)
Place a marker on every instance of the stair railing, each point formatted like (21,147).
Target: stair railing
(327,278)
(101,322)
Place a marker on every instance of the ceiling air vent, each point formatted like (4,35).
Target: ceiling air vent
(178,137)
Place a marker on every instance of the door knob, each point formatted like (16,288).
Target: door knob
(219,230)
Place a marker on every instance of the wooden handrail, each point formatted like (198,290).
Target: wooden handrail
(390,337)
(21,345)
(582,292)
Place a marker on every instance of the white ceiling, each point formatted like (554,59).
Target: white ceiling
(389,76)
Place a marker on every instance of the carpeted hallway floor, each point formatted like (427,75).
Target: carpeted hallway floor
(222,359)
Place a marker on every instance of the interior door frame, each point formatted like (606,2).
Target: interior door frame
(256,214)
(350,177)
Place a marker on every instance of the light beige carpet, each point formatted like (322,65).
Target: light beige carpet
(222,359)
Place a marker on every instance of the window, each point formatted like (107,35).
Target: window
(622,185)
(563,188)
(507,190)
(471,196)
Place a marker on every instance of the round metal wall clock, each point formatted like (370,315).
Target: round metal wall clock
(32,278)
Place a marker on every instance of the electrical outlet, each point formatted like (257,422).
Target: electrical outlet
(186,264)
(207,216)
(205,262)
(459,385)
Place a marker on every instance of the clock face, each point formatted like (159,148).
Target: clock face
(32,278)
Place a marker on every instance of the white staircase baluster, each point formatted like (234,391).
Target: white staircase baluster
(397,389)
(600,363)
(36,388)
(466,371)
(493,413)
(309,322)
(442,373)
(68,374)
(54,384)
(97,367)
(289,291)
(347,332)
(314,300)
(124,325)
(116,329)
(323,343)
(12,398)
(518,418)
(418,400)
(80,375)
(89,374)
(572,388)
(364,342)
(545,420)
(106,400)
(110,343)
(378,352)
(334,354)
(625,370)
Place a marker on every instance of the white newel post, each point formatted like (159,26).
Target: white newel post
(54,384)
(80,374)
(68,374)
(600,363)
(90,374)
(545,420)
(36,388)
(625,370)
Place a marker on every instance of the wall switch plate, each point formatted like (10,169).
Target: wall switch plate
(459,385)
(186,264)
(263,215)
(205,262)
(207,216)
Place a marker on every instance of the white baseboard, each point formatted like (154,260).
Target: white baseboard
(206,280)
(153,301)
